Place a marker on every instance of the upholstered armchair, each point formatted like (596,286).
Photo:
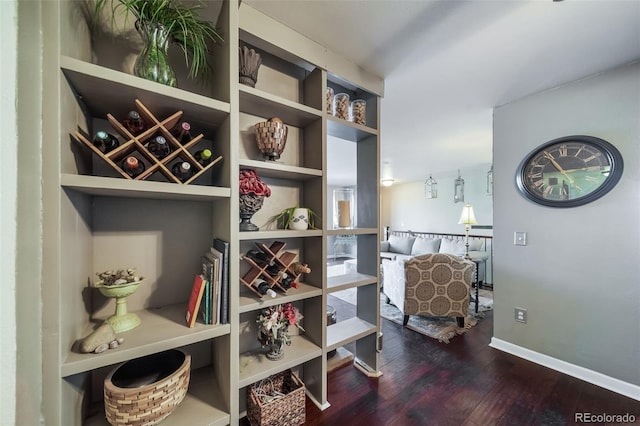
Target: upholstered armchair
(437,285)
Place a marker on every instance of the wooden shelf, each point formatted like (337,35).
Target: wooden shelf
(353,231)
(280,171)
(351,280)
(278,234)
(82,234)
(103,90)
(249,301)
(343,332)
(161,329)
(201,405)
(347,130)
(257,102)
(256,366)
(116,187)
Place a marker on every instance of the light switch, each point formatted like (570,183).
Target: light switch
(520,238)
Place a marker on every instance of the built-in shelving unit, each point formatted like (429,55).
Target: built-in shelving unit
(98,220)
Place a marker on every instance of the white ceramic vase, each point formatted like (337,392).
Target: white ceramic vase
(300,220)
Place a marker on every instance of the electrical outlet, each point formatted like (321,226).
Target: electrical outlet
(520,238)
(520,315)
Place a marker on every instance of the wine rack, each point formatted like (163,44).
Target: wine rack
(284,260)
(136,143)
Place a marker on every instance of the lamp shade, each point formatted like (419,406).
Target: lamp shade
(467,217)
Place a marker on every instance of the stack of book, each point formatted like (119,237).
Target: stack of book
(210,292)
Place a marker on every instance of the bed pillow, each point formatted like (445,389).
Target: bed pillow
(401,245)
(425,246)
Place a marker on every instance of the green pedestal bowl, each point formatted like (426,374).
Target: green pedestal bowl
(122,320)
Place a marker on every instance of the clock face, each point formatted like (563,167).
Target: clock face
(569,171)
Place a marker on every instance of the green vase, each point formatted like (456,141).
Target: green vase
(153,61)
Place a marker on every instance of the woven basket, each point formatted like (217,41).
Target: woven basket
(271,137)
(286,410)
(145,390)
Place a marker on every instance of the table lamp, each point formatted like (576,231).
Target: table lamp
(467,218)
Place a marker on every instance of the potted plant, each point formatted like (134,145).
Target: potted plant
(295,218)
(273,328)
(160,22)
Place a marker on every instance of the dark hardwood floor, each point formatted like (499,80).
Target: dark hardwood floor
(465,382)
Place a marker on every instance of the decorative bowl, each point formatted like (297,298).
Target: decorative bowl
(271,137)
(144,391)
(122,320)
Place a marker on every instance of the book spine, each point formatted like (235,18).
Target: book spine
(206,309)
(223,247)
(193,306)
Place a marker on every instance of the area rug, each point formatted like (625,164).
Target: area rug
(441,329)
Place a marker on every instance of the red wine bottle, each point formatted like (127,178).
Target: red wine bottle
(182,132)
(203,157)
(263,288)
(132,166)
(159,147)
(182,170)
(134,123)
(105,142)
(289,282)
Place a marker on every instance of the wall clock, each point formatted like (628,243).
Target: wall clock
(569,171)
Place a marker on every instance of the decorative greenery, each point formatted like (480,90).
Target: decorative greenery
(186,29)
(285,217)
(121,276)
(273,324)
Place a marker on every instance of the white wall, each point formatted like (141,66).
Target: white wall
(405,208)
(8,193)
(578,277)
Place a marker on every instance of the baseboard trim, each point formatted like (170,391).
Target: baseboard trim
(618,386)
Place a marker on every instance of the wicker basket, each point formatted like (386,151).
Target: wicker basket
(271,137)
(145,390)
(286,410)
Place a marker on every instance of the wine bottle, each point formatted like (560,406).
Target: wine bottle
(134,123)
(182,170)
(159,147)
(203,157)
(299,268)
(259,258)
(263,288)
(105,142)
(182,132)
(275,270)
(132,166)
(289,282)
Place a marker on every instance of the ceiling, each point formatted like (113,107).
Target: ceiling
(448,63)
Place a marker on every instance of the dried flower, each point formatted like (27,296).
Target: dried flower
(250,183)
(273,324)
(120,276)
